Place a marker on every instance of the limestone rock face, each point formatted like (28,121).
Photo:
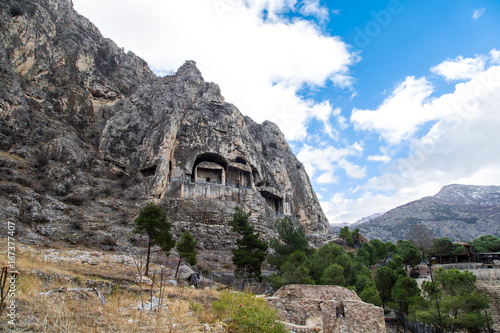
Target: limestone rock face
(88,135)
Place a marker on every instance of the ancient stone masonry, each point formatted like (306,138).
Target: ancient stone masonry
(89,134)
(492,289)
(327,309)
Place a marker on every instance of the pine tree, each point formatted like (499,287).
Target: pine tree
(486,243)
(370,295)
(291,239)
(295,270)
(461,306)
(385,279)
(409,252)
(326,255)
(333,275)
(405,290)
(251,251)
(186,248)
(344,232)
(152,222)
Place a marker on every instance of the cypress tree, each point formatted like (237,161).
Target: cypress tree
(186,248)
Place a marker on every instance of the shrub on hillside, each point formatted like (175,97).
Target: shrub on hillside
(245,313)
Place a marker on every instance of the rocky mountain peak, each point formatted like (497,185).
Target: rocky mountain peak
(89,135)
(470,194)
(189,72)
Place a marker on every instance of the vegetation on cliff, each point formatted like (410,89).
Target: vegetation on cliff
(251,251)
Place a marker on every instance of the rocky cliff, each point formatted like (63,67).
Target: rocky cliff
(459,212)
(88,135)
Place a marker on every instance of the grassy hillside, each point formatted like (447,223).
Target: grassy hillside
(47,302)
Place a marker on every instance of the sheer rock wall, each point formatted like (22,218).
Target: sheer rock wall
(88,135)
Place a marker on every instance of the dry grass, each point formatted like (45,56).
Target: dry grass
(66,313)
(183,310)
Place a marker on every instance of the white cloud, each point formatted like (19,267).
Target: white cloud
(460,147)
(358,146)
(460,68)
(323,159)
(323,111)
(309,169)
(379,158)
(329,159)
(327,178)
(352,170)
(259,63)
(409,106)
(477,13)
(314,8)
(495,56)
(400,114)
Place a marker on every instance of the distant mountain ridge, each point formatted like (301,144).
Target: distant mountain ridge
(470,194)
(459,212)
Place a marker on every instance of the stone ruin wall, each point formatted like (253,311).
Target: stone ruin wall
(327,309)
(492,290)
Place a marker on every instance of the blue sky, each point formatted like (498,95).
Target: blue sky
(383,101)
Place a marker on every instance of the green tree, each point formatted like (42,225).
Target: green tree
(346,262)
(380,249)
(405,290)
(355,233)
(325,256)
(348,236)
(291,239)
(385,279)
(461,306)
(409,252)
(186,248)
(294,271)
(166,242)
(370,295)
(486,243)
(391,247)
(152,222)
(251,251)
(359,272)
(362,281)
(396,264)
(333,275)
(344,232)
(366,254)
(444,247)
